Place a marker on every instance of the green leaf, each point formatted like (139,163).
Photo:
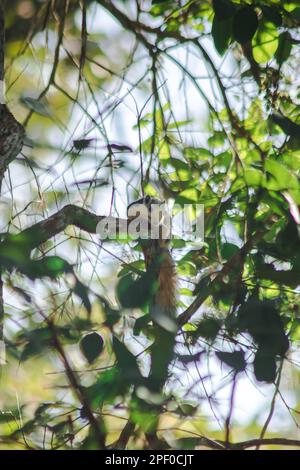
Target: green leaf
(108,385)
(224,9)
(262,321)
(155,2)
(144,416)
(295,13)
(264,367)
(37,341)
(253,177)
(245,23)
(265,43)
(228,250)
(235,360)
(188,196)
(208,328)
(186,443)
(127,364)
(282,177)
(221,33)
(136,293)
(284,48)
(287,125)
(197,153)
(92,346)
(272,13)
(49,266)
(82,291)
(7,416)
(37,106)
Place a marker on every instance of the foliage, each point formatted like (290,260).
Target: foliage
(193,101)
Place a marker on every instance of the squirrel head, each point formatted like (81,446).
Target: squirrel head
(151,211)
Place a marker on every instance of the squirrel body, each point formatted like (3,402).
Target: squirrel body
(162,308)
(158,258)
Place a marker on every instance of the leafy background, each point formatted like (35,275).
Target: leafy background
(195,102)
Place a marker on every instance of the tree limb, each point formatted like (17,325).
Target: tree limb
(42,231)
(2,42)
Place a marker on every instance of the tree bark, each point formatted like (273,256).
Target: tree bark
(11,139)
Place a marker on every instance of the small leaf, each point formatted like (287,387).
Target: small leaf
(186,443)
(127,364)
(119,148)
(37,341)
(135,293)
(284,48)
(264,367)
(35,105)
(82,144)
(265,43)
(82,291)
(208,328)
(235,360)
(91,346)
(221,33)
(228,250)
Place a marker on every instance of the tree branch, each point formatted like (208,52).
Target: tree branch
(276,441)
(2,42)
(42,231)
(127,23)
(231,265)
(11,138)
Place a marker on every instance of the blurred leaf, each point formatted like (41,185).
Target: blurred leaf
(264,367)
(284,48)
(37,106)
(135,293)
(265,42)
(126,362)
(82,144)
(186,443)
(228,250)
(235,360)
(120,148)
(82,291)
(221,33)
(92,346)
(262,320)
(37,341)
(208,328)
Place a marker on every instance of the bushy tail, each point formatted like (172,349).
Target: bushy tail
(166,292)
(162,310)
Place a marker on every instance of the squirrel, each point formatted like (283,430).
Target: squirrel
(156,251)
(158,261)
